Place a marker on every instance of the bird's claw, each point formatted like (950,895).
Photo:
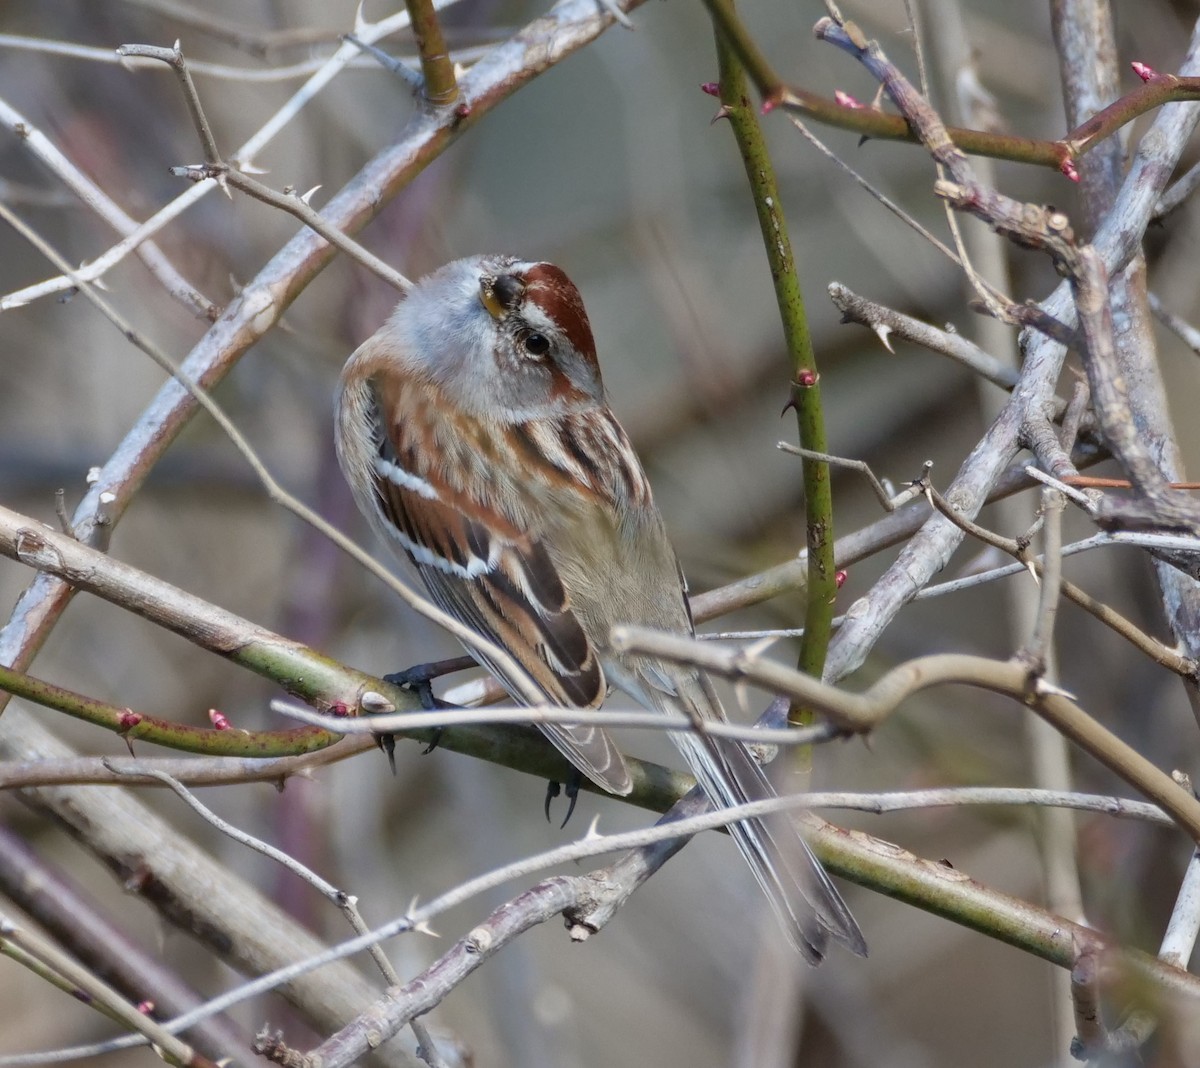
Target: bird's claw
(570,789)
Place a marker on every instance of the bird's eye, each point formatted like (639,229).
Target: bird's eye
(536,344)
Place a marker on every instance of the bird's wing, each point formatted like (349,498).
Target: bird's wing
(500,581)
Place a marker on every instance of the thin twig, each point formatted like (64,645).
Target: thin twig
(993,300)
(98,201)
(193,771)
(884,322)
(321,74)
(173,57)
(1179,940)
(216,168)
(255,41)
(1152,647)
(1178,193)
(540,714)
(864,711)
(1181,328)
(344,901)
(92,989)
(67,911)
(877,194)
(296,205)
(887,497)
(877,125)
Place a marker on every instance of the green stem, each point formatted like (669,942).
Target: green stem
(441,87)
(806,391)
(129,724)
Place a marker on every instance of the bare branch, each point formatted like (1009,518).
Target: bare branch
(865,711)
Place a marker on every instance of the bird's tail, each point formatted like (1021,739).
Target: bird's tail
(801,893)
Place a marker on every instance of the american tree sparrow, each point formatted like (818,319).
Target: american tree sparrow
(476,435)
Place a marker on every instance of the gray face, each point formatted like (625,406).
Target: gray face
(508,340)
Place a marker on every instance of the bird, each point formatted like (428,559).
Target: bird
(476,435)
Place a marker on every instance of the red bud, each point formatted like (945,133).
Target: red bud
(218,720)
(1067,166)
(711,88)
(1143,71)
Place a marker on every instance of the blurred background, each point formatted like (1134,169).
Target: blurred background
(607,165)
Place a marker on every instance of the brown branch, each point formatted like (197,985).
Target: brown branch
(87,988)
(869,122)
(863,712)
(314,678)
(193,771)
(216,168)
(1118,239)
(63,909)
(934,885)
(1161,654)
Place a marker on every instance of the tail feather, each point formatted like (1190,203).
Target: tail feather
(801,894)
(806,902)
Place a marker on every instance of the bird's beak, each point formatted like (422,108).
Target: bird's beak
(501,294)
(489,298)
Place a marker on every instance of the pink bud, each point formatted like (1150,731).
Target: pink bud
(839,578)
(1143,71)
(711,88)
(847,101)
(806,379)
(462,110)
(1067,166)
(339,709)
(129,719)
(218,720)
(145,1007)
